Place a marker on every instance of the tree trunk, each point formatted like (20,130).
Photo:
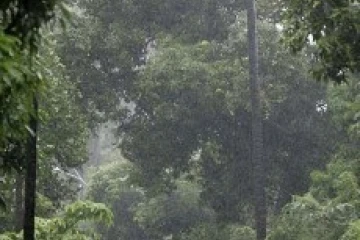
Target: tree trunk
(19,209)
(257,126)
(30,178)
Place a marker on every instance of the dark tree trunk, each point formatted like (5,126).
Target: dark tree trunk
(30,179)
(19,208)
(257,126)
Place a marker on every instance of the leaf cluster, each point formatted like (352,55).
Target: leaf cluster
(333,27)
(68,225)
(330,210)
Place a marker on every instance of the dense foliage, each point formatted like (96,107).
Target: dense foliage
(192,114)
(330,210)
(159,92)
(70,224)
(333,26)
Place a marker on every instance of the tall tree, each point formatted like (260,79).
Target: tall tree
(111,42)
(257,124)
(22,22)
(202,104)
(61,146)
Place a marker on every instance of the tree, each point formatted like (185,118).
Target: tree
(332,27)
(257,157)
(330,207)
(63,132)
(112,40)
(192,108)
(174,213)
(23,21)
(61,147)
(19,36)
(345,106)
(13,66)
(111,184)
(329,210)
(141,215)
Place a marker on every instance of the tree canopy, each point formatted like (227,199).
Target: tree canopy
(145,115)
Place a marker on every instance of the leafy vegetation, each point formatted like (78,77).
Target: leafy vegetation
(179,120)
(330,210)
(333,27)
(70,224)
